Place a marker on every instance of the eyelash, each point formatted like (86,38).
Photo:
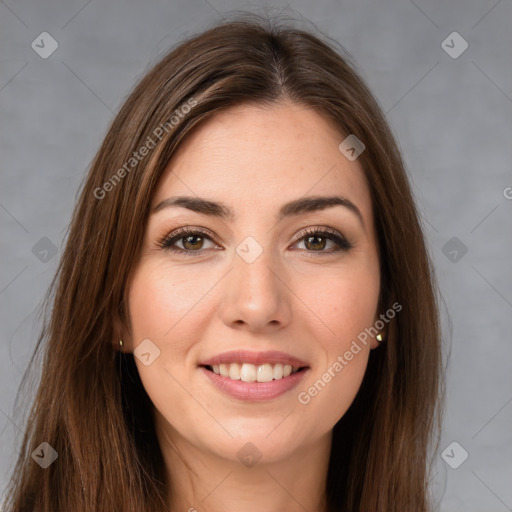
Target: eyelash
(342,244)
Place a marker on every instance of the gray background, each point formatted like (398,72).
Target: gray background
(451,116)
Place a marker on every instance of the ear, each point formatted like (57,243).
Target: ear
(121,333)
(382,333)
(375,343)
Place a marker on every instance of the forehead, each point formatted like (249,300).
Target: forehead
(256,157)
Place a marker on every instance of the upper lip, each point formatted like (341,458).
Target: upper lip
(255,358)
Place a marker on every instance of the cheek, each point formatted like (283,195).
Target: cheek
(345,302)
(346,305)
(165,303)
(332,390)
(164,308)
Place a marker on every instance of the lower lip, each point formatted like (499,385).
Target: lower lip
(255,391)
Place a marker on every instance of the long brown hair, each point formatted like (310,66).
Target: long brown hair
(90,405)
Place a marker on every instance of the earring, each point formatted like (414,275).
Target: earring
(379,337)
(120,343)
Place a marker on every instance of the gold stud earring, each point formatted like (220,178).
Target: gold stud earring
(379,337)
(120,343)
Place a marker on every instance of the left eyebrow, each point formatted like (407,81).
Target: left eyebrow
(292,208)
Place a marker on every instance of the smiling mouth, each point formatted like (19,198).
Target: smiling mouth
(247,372)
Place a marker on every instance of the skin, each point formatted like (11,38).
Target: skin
(254,158)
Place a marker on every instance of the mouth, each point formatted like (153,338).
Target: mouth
(254,376)
(247,372)
(251,383)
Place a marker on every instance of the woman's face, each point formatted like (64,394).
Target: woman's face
(256,282)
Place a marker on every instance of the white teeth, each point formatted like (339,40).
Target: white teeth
(278,371)
(234,371)
(252,373)
(265,373)
(248,372)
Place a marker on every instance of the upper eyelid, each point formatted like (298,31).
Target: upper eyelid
(193,229)
(181,232)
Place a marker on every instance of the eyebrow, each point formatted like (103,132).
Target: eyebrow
(292,208)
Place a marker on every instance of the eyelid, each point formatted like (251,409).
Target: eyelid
(336,237)
(317,229)
(340,240)
(183,231)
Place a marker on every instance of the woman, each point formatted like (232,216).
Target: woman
(245,314)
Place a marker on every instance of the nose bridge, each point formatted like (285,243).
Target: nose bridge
(254,292)
(256,275)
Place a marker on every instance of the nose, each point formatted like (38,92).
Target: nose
(256,296)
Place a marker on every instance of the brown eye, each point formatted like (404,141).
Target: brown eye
(316,240)
(192,241)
